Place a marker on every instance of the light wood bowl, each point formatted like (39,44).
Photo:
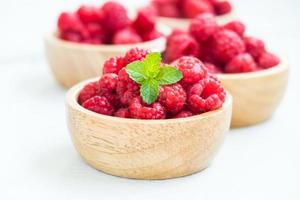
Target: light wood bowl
(255,95)
(146,149)
(72,62)
(184,23)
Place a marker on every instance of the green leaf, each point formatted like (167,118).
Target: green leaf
(136,71)
(149,91)
(152,64)
(168,75)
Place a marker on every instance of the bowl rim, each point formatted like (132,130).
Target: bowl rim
(282,66)
(72,95)
(52,38)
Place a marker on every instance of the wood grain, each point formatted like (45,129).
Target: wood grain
(71,62)
(256,95)
(146,149)
(184,23)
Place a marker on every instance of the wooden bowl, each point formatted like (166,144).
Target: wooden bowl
(146,149)
(184,23)
(72,62)
(255,95)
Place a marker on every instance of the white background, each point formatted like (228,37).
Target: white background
(38,161)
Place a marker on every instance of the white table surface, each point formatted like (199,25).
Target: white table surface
(38,160)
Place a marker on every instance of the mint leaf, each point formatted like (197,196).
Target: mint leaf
(149,91)
(152,64)
(168,75)
(136,71)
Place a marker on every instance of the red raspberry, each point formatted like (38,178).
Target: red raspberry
(113,65)
(141,111)
(184,114)
(211,68)
(71,36)
(127,89)
(89,91)
(115,16)
(123,113)
(192,8)
(268,60)
(135,54)
(222,7)
(236,26)
(203,27)
(168,10)
(241,63)
(254,46)
(97,32)
(179,45)
(89,14)
(152,35)
(226,45)
(69,22)
(193,70)
(108,82)
(173,97)
(145,20)
(126,36)
(99,105)
(207,95)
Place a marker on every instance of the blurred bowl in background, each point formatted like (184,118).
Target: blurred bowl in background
(256,95)
(73,62)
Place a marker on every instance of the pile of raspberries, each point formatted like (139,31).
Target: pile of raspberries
(191,8)
(223,49)
(116,94)
(108,24)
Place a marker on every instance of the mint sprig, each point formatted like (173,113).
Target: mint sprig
(150,75)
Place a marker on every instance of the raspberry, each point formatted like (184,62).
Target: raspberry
(193,70)
(113,65)
(168,10)
(127,89)
(222,7)
(211,68)
(226,45)
(140,111)
(126,36)
(108,82)
(71,36)
(192,8)
(96,31)
(236,26)
(268,60)
(115,16)
(99,105)
(203,27)
(152,35)
(179,45)
(241,63)
(69,22)
(254,46)
(145,20)
(89,91)
(135,54)
(184,114)
(88,14)
(173,97)
(206,95)
(123,113)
